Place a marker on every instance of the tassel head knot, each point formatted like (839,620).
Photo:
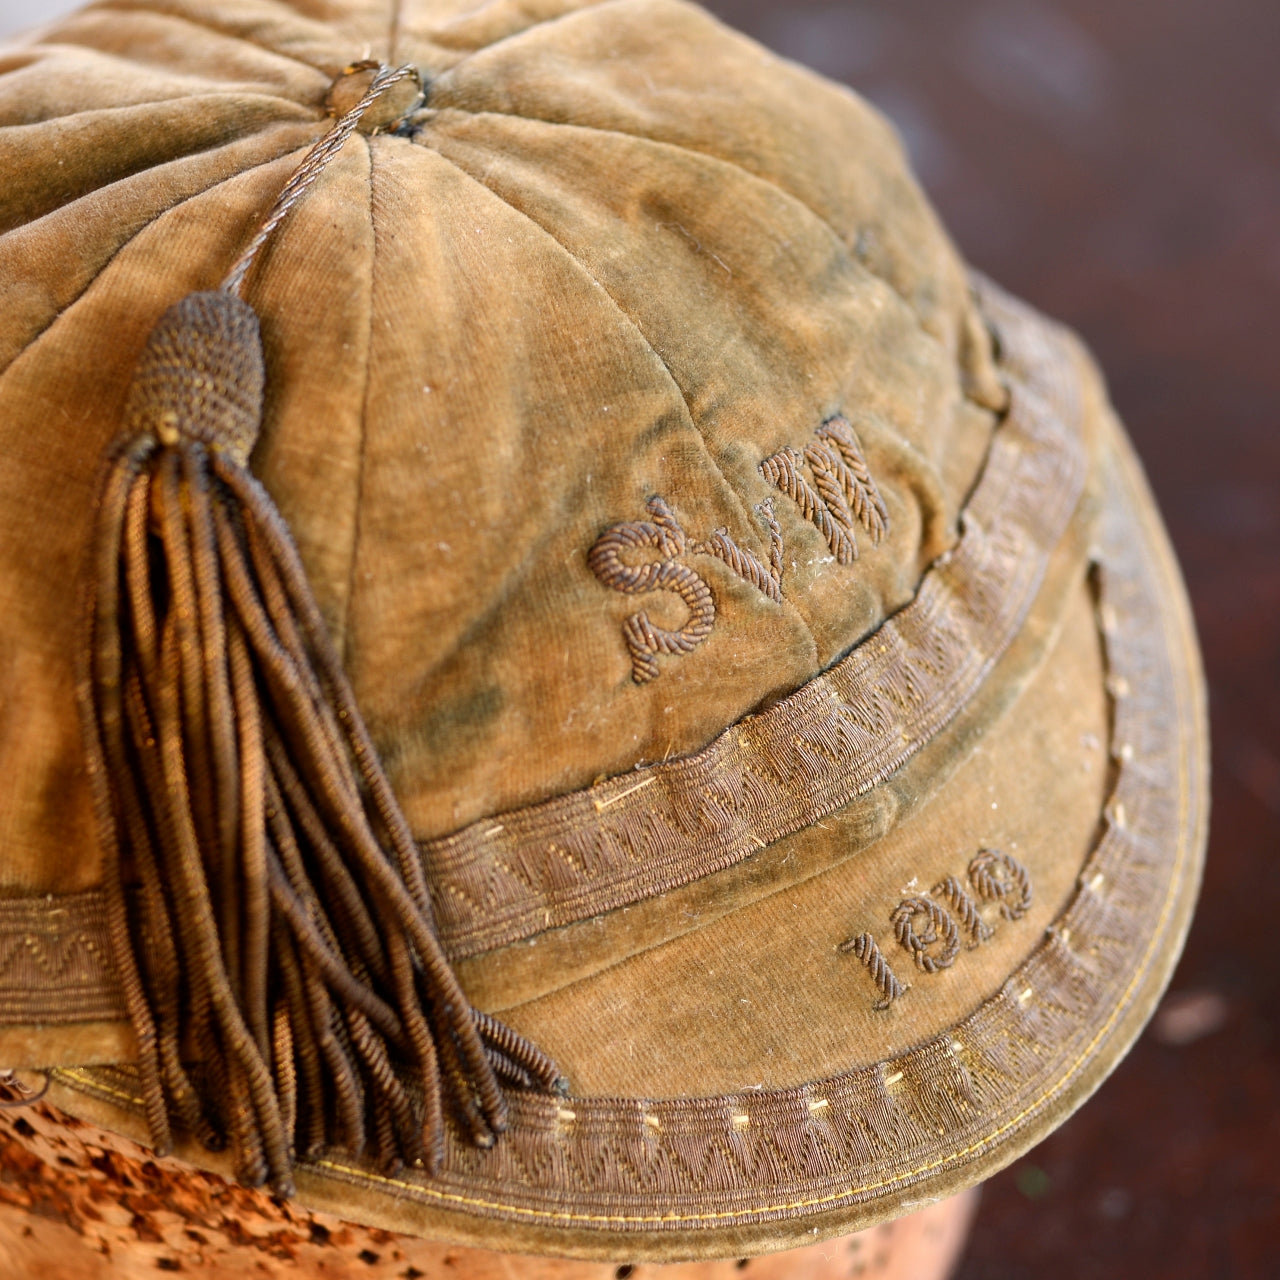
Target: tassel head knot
(200,376)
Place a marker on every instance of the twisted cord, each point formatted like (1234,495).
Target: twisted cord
(952,891)
(313,164)
(830,477)
(939,927)
(282,933)
(102,716)
(782,470)
(27,1097)
(745,563)
(331,991)
(1000,877)
(644,638)
(856,482)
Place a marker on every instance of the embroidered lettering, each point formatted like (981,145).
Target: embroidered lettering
(843,491)
(1000,877)
(939,926)
(842,495)
(744,563)
(644,638)
(952,891)
(864,947)
(930,931)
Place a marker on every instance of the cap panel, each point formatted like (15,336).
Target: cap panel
(85,235)
(432,30)
(515,874)
(512,412)
(313,289)
(61,402)
(789,331)
(325,34)
(737,1172)
(94,60)
(641,67)
(97,148)
(527,970)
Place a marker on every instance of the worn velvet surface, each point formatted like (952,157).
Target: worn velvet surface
(588,275)
(487,343)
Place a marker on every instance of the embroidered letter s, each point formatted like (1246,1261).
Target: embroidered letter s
(645,640)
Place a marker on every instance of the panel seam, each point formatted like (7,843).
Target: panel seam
(633,324)
(345,629)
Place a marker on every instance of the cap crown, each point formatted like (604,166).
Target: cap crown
(582,392)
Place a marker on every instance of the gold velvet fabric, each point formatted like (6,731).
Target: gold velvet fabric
(626,280)
(488,342)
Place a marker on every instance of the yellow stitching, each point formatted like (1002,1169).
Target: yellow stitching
(812,1203)
(602,805)
(72,1073)
(817,1201)
(1140,973)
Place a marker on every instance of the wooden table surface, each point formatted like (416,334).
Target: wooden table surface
(1117,162)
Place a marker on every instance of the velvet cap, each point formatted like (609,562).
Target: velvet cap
(763,622)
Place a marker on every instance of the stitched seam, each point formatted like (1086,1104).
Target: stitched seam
(177,204)
(738,500)
(393,36)
(362,465)
(515,35)
(236,95)
(1083,1059)
(251,131)
(1185,719)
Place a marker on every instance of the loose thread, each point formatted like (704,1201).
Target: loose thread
(27,1097)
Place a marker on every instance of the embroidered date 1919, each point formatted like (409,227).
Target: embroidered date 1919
(929,926)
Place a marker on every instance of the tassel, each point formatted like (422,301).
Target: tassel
(277,928)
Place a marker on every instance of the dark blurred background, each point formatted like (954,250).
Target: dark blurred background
(1117,163)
